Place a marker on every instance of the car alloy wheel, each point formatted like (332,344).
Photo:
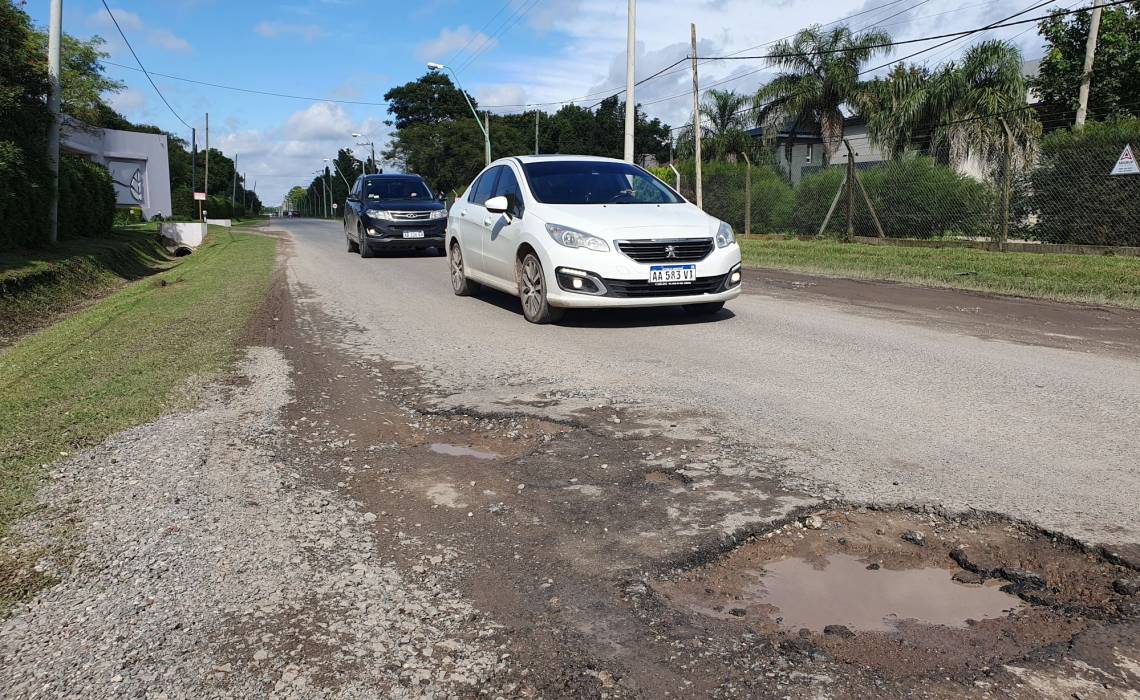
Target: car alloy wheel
(362,243)
(532,292)
(459,283)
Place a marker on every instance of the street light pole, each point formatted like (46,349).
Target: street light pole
(372,147)
(486,135)
(55,37)
(630,59)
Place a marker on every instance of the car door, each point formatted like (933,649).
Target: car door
(471,216)
(352,209)
(503,231)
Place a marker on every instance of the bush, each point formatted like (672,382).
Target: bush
(724,188)
(1071,195)
(914,196)
(86,199)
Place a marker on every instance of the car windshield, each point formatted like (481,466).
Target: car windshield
(381,189)
(595,182)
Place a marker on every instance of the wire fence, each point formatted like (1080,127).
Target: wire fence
(1061,192)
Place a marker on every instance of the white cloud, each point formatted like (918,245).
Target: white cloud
(286,155)
(127,100)
(450,41)
(133,26)
(273,30)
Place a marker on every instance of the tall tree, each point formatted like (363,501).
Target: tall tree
(819,78)
(967,108)
(725,117)
(1116,70)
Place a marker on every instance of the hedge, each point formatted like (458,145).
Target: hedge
(86,199)
(1071,196)
(914,197)
(723,193)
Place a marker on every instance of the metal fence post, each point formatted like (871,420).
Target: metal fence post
(850,195)
(747,195)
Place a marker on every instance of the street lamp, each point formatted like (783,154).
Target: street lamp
(486,136)
(324,192)
(370,145)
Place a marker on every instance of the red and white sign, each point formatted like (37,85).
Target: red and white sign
(200,196)
(1126,165)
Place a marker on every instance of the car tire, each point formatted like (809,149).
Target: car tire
(352,247)
(703,309)
(462,286)
(365,249)
(532,291)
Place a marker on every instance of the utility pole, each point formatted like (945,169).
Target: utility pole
(55,36)
(244,196)
(536,131)
(206,187)
(487,133)
(1090,55)
(630,61)
(233,196)
(696,118)
(194,168)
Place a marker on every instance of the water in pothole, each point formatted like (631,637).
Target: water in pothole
(841,590)
(444,448)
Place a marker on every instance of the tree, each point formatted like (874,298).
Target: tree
(432,99)
(1116,69)
(82,81)
(965,109)
(820,76)
(725,117)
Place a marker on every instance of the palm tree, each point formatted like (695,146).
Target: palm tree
(820,76)
(725,118)
(974,109)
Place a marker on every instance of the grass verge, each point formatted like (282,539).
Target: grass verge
(121,362)
(37,285)
(1091,279)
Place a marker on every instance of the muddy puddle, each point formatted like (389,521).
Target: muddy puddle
(903,592)
(845,590)
(450,450)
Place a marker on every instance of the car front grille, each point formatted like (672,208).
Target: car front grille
(676,250)
(638,288)
(410,215)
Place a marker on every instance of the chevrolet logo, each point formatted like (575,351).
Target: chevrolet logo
(670,251)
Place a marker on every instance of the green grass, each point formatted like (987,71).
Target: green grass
(124,360)
(37,285)
(1096,279)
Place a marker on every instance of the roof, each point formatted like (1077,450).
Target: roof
(555,156)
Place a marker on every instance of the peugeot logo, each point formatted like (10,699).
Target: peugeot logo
(671,251)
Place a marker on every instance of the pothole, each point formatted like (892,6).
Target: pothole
(844,590)
(905,592)
(450,450)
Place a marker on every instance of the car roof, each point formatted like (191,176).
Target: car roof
(393,176)
(557,157)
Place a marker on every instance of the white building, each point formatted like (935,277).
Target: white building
(138,162)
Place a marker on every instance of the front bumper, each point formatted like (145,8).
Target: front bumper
(389,235)
(614,280)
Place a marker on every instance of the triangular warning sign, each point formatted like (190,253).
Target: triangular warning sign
(1126,165)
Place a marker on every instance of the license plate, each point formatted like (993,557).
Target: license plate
(672,274)
(413,234)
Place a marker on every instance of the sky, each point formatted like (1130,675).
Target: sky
(507,53)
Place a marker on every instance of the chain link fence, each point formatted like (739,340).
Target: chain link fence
(1061,198)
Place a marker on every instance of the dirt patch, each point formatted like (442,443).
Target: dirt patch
(905,595)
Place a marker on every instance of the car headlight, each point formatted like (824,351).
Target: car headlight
(382,214)
(724,236)
(573,238)
(438,214)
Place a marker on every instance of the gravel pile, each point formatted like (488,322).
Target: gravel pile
(205,567)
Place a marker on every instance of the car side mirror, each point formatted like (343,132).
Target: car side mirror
(497,205)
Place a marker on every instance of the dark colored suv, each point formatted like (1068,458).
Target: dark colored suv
(393,212)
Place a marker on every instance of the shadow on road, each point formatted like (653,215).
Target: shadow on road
(611,318)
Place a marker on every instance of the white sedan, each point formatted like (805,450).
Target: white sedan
(583,232)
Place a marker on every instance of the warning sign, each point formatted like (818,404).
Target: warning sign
(1126,165)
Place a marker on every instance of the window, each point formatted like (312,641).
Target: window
(484,186)
(389,188)
(595,182)
(355,194)
(808,152)
(508,186)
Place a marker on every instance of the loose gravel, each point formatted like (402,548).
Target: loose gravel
(206,567)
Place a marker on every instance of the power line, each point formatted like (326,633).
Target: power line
(507,25)
(472,38)
(142,67)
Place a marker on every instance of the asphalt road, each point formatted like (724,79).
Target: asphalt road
(865,405)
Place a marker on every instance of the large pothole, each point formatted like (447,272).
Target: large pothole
(906,593)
